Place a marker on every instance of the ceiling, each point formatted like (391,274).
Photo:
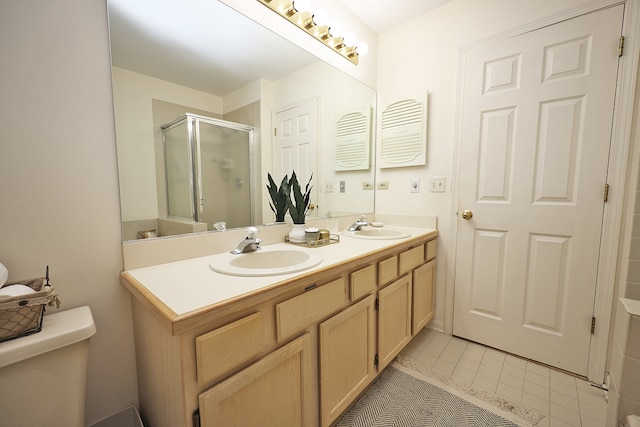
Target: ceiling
(381,16)
(175,44)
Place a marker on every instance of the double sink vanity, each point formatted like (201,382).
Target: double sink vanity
(283,336)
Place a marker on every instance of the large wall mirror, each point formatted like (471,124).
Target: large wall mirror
(207,102)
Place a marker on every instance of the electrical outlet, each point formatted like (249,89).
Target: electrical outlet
(367,186)
(342,186)
(384,185)
(328,187)
(414,186)
(437,184)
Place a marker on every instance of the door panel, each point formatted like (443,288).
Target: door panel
(295,145)
(536,123)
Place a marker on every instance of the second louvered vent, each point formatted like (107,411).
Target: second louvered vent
(353,141)
(404,142)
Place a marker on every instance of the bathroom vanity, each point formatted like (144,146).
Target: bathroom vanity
(286,350)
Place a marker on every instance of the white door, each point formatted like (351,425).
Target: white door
(295,143)
(536,123)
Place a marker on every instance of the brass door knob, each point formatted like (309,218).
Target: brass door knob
(467,215)
(312,206)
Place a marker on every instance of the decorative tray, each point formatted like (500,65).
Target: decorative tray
(333,238)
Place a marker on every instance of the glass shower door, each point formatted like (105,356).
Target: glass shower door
(179,171)
(225,174)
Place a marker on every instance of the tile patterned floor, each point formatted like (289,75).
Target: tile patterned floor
(566,400)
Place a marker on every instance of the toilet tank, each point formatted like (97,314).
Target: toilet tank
(43,377)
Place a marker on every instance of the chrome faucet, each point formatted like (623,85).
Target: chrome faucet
(358,224)
(250,243)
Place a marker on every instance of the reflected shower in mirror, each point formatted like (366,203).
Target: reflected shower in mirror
(207,161)
(203,58)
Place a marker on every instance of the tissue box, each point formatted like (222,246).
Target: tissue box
(22,315)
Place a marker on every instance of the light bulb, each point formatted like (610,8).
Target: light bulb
(320,17)
(362,48)
(301,5)
(336,29)
(350,39)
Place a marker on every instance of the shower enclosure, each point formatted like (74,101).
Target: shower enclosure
(210,171)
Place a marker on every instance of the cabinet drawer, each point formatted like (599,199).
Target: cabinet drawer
(226,348)
(362,282)
(411,259)
(297,313)
(432,249)
(387,270)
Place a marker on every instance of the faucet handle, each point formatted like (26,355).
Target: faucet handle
(252,232)
(362,217)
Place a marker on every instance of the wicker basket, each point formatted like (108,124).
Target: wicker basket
(22,315)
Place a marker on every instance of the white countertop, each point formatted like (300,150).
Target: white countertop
(185,286)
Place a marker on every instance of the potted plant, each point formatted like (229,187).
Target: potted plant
(279,197)
(298,207)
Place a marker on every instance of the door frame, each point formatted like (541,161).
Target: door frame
(624,155)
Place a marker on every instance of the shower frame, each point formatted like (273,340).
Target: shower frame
(194,154)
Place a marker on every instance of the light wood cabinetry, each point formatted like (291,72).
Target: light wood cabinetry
(394,319)
(272,391)
(213,363)
(423,303)
(295,354)
(347,351)
(298,313)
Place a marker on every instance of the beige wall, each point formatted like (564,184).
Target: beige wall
(138,138)
(59,183)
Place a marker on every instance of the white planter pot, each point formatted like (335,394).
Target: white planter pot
(296,235)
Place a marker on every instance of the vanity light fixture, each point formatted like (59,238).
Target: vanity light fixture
(317,25)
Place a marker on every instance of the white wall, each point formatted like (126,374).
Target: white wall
(59,183)
(422,55)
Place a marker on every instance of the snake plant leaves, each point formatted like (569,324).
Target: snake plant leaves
(299,203)
(279,197)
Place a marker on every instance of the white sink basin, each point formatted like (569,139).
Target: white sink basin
(265,262)
(377,234)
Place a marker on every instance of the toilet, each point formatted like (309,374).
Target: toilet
(632,421)
(43,376)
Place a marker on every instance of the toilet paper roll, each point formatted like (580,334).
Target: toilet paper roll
(15,290)
(4,274)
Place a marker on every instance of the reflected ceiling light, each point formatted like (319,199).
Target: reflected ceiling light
(320,17)
(316,24)
(350,39)
(336,30)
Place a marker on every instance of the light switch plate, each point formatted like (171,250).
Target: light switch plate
(437,184)
(415,185)
(328,187)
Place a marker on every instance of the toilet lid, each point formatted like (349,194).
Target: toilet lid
(58,330)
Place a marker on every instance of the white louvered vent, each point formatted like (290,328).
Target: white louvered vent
(404,134)
(353,141)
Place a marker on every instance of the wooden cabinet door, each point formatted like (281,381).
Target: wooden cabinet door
(394,319)
(275,391)
(423,302)
(347,352)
